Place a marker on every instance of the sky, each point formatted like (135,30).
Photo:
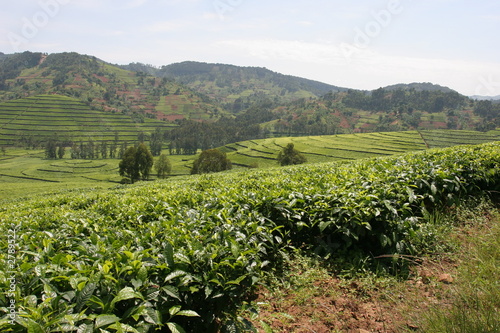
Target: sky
(357,44)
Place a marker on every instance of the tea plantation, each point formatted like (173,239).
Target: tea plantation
(185,254)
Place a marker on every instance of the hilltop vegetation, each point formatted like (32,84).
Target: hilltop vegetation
(238,88)
(103,86)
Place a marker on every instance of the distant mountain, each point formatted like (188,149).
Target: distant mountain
(486,98)
(237,88)
(423,86)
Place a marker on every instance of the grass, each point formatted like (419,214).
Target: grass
(314,295)
(475,297)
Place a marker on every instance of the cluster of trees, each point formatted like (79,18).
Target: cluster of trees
(403,100)
(490,112)
(54,149)
(137,163)
(191,136)
(94,150)
(90,150)
(290,156)
(11,66)
(211,160)
(66,62)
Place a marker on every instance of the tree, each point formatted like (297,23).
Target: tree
(104,150)
(163,166)
(211,160)
(51,150)
(60,151)
(128,167)
(144,159)
(290,156)
(156,142)
(136,163)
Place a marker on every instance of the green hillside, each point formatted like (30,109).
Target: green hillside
(102,85)
(238,88)
(33,120)
(214,105)
(263,153)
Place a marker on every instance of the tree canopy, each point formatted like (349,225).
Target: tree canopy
(163,166)
(290,156)
(136,163)
(211,160)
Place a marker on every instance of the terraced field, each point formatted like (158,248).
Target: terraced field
(25,171)
(325,148)
(439,139)
(44,115)
(263,153)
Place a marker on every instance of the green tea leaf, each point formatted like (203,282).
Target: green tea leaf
(175,328)
(105,320)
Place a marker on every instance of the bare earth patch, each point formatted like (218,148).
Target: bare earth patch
(333,304)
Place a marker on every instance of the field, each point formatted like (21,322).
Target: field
(186,253)
(346,147)
(23,172)
(42,116)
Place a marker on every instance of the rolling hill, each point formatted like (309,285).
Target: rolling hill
(242,102)
(236,88)
(23,172)
(103,86)
(318,149)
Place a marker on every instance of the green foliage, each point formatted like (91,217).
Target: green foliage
(476,303)
(290,156)
(156,142)
(211,160)
(136,163)
(187,253)
(30,122)
(163,166)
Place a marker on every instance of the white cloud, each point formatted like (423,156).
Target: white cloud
(283,49)
(305,23)
(167,26)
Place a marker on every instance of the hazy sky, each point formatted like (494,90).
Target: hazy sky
(356,44)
